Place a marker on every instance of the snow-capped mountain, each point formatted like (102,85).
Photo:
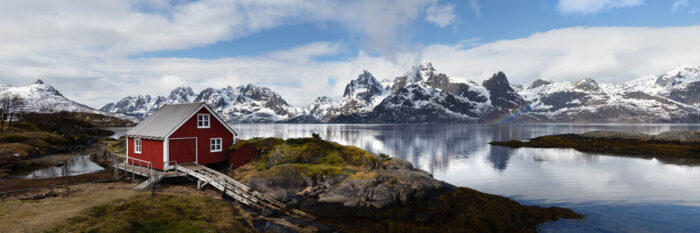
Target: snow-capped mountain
(425,95)
(589,101)
(681,84)
(247,103)
(42,97)
(143,105)
(361,95)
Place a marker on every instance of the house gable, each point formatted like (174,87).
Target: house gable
(217,129)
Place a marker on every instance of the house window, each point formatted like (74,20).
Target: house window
(137,146)
(202,120)
(215,145)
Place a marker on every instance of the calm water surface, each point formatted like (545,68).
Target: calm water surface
(77,166)
(618,194)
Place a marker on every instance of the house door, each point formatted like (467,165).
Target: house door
(183,150)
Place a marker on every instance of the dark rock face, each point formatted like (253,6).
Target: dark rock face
(503,96)
(390,187)
(688,95)
(539,82)
(566,99)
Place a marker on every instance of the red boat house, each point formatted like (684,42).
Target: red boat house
(182,133)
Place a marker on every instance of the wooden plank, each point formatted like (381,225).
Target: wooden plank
(237,190)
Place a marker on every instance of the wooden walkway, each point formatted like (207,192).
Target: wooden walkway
(151,175)
(237,190)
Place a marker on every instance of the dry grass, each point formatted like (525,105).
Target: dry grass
(38,215)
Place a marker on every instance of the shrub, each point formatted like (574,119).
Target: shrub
(384,157)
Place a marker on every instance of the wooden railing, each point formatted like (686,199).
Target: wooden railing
(167,163)
(133,163)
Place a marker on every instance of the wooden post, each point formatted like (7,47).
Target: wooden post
(65,174)
(133,167)
(115,166)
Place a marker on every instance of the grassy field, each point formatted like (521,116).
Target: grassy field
(116,207)
(162,213)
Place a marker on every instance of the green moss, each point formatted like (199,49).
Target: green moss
(25,126)
(10,149)
(117,147)
(158,214)
(312,170)
(298,157)
(13,138)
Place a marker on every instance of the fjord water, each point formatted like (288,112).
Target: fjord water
(618,194)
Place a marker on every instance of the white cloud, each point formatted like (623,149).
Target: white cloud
(86,48)
(306,52)
(594,6)
(476,7)
(678,4)
(441,15)
(610,54)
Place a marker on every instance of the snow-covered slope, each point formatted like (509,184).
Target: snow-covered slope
(681,84)
(247,103)
(589,101)
(41,97)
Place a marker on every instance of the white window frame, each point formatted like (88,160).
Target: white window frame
(212,142)
(138,146)
(208,121)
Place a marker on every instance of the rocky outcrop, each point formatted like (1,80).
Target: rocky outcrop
(394,184)
(383,187)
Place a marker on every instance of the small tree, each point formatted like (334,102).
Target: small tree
(16,105)
(315,136)
(383,158)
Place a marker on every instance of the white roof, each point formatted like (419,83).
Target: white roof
(167,119)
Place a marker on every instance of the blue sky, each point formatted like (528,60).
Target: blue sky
(96,52)
(496,20)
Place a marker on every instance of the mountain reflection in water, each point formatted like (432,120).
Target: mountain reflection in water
(619,194)
(78,165)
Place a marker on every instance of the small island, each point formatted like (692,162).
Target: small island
(677,147)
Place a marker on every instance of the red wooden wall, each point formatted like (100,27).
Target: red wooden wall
(216,130)
(151,150)
(241,156)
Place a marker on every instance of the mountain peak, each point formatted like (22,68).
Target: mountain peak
(427,66)
(539,82)
(497,79)
(181,94)
(39,81)
(365,82)
(587,84)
